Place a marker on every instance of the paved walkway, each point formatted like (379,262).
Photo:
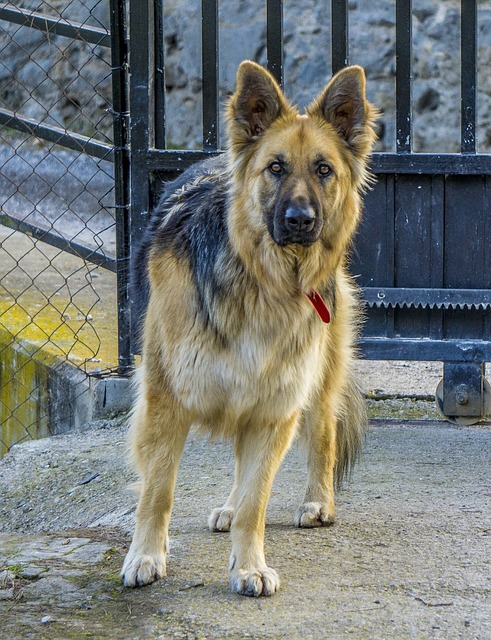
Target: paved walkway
(408,557)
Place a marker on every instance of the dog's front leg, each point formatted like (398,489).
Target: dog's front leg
(159,432)
(259,451)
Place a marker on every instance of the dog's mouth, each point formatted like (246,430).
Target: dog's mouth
(301,242)
(284,236)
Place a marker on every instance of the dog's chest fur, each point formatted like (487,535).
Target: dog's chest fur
(261,374)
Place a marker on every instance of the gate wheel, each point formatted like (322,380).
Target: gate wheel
(465,420)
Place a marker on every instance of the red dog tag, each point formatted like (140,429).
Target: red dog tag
(319,305)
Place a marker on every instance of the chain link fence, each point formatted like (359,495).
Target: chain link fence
(57,208)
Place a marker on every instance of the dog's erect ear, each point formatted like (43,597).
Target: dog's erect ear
(343,104)
(256,103)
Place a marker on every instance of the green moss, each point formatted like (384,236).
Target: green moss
(14,568)
(403,409)
(109,554)
(23,387)
(61,331)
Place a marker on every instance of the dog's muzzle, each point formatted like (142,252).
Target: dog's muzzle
(297,225)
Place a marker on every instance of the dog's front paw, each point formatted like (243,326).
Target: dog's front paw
(220,519)
(315,514)
(254,582)
(141,569)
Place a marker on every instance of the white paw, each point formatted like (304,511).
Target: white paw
(254,582)
(141,569)
(220,519)
(314,514)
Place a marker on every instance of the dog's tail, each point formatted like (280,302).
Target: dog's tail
(351,427)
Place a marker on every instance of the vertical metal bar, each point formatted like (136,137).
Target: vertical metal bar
(391,249)
(119,61)
(159,77)
(141,17)
(274,38)
(209,46)
(436,249)
(468,74)
(403,76)
(486,322)
(339,35)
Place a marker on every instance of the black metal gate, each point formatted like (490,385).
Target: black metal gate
(424,250)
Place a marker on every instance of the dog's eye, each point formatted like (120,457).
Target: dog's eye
(276,168)
(324,170)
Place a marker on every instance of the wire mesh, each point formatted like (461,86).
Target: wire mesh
(57,221)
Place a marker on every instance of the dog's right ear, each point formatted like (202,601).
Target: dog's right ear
(255,105)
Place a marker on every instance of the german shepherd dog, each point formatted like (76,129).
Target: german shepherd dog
(252,317)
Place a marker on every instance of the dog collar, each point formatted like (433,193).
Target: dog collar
(319,305)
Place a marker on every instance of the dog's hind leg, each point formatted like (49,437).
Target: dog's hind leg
(333,442)
(259,451)
(319,435)
(221,519)
(159,432)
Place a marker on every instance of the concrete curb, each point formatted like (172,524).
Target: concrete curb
(49,396)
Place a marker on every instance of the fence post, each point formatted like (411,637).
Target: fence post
(119,60)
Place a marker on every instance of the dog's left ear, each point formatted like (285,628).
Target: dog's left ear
(343,104)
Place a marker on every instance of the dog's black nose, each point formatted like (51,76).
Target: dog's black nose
(299,219)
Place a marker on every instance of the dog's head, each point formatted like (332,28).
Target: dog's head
(299,171)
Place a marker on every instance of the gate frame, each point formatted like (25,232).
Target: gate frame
(149,155)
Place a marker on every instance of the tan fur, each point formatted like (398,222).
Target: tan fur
(270,367)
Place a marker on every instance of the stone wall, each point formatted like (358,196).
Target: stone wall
(436,64)
(56,80)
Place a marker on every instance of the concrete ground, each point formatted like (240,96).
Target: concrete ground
(408,557)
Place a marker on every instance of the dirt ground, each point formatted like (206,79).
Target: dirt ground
(408,557)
